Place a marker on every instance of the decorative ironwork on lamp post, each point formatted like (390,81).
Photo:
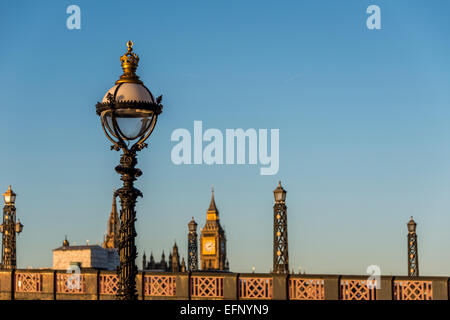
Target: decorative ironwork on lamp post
(128,114)
(9,228)
(413,254)
(192,246)
(280,239)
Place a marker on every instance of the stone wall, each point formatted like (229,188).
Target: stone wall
(63,258)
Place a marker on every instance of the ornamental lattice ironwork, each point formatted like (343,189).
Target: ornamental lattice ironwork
(413,290)
(413,254)
(109,284)
(70,283)
(206,287)
(255,288)
(306,289)
(357,290)
(28,282)
(280,236)
(160,286)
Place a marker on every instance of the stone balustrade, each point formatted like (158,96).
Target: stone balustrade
(48,284)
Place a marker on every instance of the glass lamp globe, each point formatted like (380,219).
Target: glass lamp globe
(128,110)
(9,196)
(129,121)
(279,193)
(19,227)
(412,226)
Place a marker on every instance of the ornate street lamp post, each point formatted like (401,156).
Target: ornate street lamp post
(9,228)
(280,237)
(128,114)
(192,246)
(413,254)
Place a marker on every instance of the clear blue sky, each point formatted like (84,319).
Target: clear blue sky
(363,118)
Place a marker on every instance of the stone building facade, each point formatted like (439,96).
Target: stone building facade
(87,256)
(172,265)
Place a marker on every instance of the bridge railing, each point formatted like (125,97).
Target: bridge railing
(207,286)
(413,290)
(306,289)
(255,287)
(48,284)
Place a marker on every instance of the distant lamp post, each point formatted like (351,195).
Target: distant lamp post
(128,114)
(253,269)
(9,228)
(413,254)
(192,246)
(280,239)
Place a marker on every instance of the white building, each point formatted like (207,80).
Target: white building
(87,256)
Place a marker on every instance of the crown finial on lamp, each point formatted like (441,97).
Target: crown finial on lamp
(129,61)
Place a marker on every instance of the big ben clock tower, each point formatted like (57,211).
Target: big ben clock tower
(213,254)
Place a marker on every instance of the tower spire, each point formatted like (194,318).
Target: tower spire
(112,237)
(212,204)
(114,205)
(175,259)
(144,261)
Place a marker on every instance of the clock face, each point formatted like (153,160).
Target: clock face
(209,246)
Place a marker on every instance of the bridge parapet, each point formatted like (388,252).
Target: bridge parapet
(48,284)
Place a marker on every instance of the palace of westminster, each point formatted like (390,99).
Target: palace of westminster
(213,255)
